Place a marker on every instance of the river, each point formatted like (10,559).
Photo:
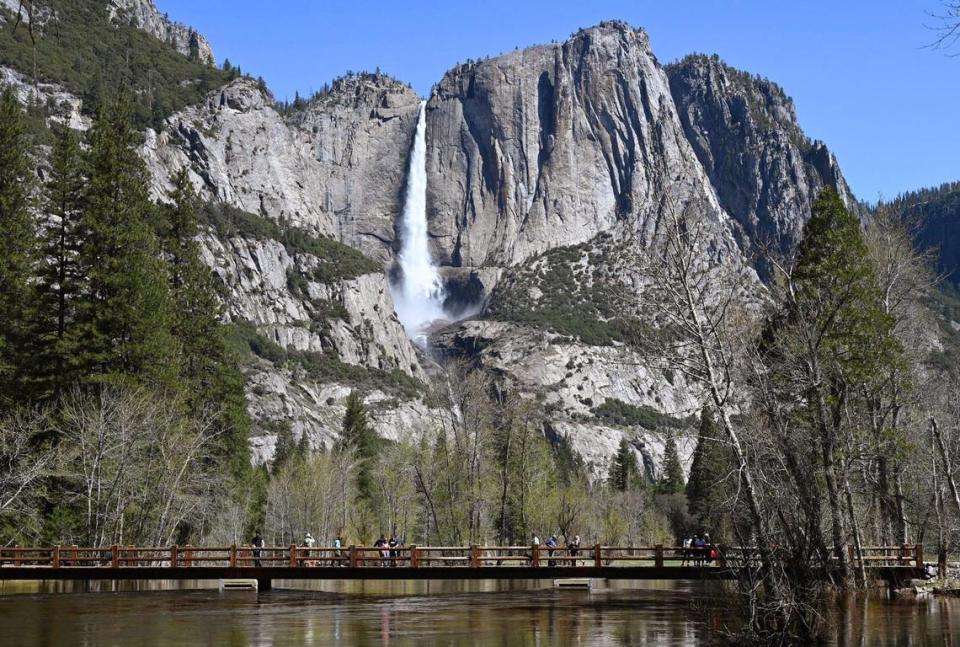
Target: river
(433,614)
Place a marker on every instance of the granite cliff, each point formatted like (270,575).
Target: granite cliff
(549,173)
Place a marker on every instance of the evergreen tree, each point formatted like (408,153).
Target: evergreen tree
(624,471)
(711,463)
(672,481)
(209,369)
(358,436)
(18,250)
(61,278)
(837,292)
(125,317)
(285,449)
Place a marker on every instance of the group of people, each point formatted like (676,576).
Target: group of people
(388,549)
(698,550)
(553,547)
(308,542)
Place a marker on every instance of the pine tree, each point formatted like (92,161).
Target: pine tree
(211,373)
(125,317)
(357,435)
(837,293)
(624,471)
(285,448)
(835,341)
(18,251)
(672,481)
(711,463)
(61,278)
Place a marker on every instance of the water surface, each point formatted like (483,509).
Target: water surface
(434,614)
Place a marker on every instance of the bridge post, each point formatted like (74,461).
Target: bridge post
(535,556)
(354,561)
(414,557)
(233,556)
(173,556)
(851,555)
(658,556)
(474,556)
(919,555)
(293,555)
(114,556)
(597,556)
(55,556)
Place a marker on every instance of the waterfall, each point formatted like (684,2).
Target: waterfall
(418,296)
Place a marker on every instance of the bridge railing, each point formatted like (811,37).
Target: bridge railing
(907,555)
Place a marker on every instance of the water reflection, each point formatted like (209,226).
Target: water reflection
(422,615)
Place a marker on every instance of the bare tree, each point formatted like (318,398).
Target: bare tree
(947,26)
(25,458)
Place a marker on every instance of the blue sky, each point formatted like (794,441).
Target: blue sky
(858,71)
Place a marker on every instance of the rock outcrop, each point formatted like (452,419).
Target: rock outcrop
(144,15)
(335,168)
(764,169)
(550,145)
(65,108)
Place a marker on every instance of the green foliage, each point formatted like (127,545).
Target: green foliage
(624,472)
(712,464)
(244,338)
(933,215)
(572,291)
(335,261)
(618,412)
(210,371)
(125,319)
(18,249)
(81,50)
(672,481)
(326,367)
(945,302)
(357,436)
(60,287)
(286,447)
(837,293)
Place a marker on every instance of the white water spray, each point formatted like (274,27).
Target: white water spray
(419,295)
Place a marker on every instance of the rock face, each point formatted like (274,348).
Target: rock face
(551,145)
(144,15)
(540,149)
(336,168)
(66,107)
(554,161)
(744,130)
(363,333)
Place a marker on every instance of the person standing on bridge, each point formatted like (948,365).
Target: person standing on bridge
(551,547)
(337,545)
(257,548)
(394,546)
(574,548)
(381,543)
(309,542)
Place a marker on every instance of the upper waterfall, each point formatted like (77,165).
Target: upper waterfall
(418,293)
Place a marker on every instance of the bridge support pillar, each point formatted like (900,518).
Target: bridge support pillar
(264,584)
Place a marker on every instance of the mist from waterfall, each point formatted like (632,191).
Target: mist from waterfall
(418,294)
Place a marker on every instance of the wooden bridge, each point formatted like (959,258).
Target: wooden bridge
(891,563)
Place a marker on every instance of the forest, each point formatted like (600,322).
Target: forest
(825,419)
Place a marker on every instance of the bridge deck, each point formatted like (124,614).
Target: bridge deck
(410,563)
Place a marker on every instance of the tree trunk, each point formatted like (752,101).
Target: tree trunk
(857,541)
(947,469)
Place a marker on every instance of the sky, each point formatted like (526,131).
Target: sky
(858,70)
